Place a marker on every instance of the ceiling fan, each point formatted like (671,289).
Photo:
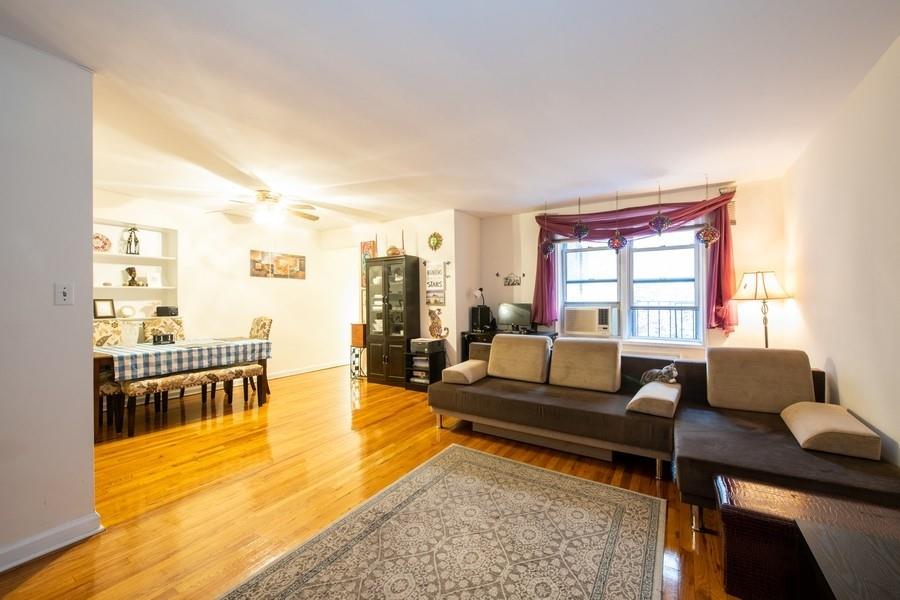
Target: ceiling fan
(269,208)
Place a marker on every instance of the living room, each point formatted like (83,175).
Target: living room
(542,300)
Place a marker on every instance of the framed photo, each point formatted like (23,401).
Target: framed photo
(104,309)
(277,265)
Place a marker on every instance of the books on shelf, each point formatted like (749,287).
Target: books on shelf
(419,380)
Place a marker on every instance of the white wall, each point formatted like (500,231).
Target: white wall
(46,431)
(509,244)
(217,296)
(842,211)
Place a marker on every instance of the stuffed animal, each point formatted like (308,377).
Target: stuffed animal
(668,374)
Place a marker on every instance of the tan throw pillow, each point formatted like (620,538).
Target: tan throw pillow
(521,357)
(656,398)
(465,372)
(587,363)
(831,428)
(757,379)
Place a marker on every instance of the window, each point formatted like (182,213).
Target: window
(660,295)
(591,274)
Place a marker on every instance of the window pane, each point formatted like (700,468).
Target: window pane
(591,264)
(667,324)
(664,264)
(678,237)
(592,292)
(664,293)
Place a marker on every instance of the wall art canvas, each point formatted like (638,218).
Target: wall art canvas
(276,265)
(367,249)
(435,284)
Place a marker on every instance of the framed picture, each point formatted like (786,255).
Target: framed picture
(367,249)
(104,309)
(277,265)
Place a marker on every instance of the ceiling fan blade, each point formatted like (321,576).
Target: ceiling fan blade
(298,205)
(243,202)
(302,215)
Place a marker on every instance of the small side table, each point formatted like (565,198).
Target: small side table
(766,555)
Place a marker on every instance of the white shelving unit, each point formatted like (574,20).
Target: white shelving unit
(157,262)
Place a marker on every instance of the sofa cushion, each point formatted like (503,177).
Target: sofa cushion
(760,447)
(587,363)
(758,379)
(586,413)
(656,398)
(831,428)
(466,372)
(520,357)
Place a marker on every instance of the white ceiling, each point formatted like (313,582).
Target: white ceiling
(399,108)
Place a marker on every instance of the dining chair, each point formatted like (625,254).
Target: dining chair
(159,326)
(107,332)
(259,330)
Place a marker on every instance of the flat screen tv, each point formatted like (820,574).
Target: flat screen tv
(514,316)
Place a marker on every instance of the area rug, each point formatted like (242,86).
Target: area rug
(470,525)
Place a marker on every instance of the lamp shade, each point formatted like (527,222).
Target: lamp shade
(759,285)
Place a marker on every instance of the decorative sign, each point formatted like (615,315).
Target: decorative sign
(435,284)
(276,265)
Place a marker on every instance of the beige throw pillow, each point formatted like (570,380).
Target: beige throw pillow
(521,357)
(831,428)
(656,398)
(465,373)
(587,363)
(757,379)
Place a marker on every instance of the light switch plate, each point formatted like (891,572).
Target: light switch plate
(62,294)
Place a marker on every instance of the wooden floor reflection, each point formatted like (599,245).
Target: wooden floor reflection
(205,496)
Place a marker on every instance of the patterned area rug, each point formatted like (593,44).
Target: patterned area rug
(470,525)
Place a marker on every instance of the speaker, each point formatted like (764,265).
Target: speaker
(479,318)
(166,311)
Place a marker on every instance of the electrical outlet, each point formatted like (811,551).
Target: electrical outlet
(62,294)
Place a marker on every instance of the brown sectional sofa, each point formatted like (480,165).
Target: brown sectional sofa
(701,440)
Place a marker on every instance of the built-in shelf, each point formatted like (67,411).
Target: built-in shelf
(134,287)
(137,259)
(157,263)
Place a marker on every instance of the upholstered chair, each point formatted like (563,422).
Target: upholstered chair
(107,332)
(259,330)
(161,326)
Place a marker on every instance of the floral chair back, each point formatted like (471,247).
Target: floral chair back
(260,328)
(163,325)
(107,332)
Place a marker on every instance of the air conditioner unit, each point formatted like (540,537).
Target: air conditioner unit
(599,321)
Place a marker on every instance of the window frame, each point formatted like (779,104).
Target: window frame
(565,281)
(699,280)
(625,287)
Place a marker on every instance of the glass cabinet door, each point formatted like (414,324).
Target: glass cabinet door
(395,300)
(376,300)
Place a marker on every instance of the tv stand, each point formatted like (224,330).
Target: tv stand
(485,337)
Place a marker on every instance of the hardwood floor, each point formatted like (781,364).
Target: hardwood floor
(199,500)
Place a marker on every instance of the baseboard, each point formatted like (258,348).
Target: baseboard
(50,540)
(279,374)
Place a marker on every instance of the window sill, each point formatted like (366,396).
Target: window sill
(662,343)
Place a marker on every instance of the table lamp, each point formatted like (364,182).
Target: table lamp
(761,285)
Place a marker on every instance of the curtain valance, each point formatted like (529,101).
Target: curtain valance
(633,223)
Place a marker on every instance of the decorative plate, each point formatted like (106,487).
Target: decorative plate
(101,243)
(435,240)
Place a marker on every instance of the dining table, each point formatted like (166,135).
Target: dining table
(143,360)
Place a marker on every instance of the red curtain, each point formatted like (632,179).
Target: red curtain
(634,223)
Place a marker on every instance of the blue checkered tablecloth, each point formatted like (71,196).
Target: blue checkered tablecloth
(146,360)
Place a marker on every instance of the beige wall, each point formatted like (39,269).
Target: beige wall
(842,212)
(217,296)
(46,428)
(509,244)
